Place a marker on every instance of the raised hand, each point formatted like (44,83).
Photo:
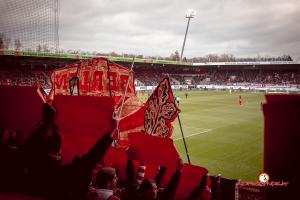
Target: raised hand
(114,121)
(204,181)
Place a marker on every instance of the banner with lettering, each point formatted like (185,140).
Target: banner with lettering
(97,77)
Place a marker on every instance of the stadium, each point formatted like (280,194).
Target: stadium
(230,112)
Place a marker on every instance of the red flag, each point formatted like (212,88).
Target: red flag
(161,110)
(20,108)
(117,158)
(163,153)
(191,177)
(82,120)
(154,117)
(281,141)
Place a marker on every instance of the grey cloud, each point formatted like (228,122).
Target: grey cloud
(239,27)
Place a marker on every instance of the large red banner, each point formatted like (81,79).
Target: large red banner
(20,108)
(153,149)
(97,77)
(81,120)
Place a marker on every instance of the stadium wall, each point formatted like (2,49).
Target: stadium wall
(269,88)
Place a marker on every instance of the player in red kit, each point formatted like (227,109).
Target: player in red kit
(240,100)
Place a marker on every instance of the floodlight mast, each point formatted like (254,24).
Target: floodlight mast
(189,14)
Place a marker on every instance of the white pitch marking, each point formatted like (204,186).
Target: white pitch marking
(197,128)
(205,131)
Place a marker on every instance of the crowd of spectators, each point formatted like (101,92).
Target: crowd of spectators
(24,78)
(255,77)
(231,58)
(221,77)
(150,77)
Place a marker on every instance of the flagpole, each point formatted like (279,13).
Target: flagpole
(186,150)
(183,138)
(125,92)
(54,83)
(109,87)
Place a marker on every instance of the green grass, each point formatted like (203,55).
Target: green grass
(221,135)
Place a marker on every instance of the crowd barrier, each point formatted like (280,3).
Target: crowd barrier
(267,88)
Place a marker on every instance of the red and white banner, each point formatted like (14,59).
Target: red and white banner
(161,110)
(94,78)
(99,77)
(155,116)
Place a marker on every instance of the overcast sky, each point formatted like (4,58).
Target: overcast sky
(157,27)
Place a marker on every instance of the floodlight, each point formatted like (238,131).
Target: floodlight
(190,13)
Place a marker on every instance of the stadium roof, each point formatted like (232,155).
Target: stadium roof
(247,63)
(83,57)
(61,59)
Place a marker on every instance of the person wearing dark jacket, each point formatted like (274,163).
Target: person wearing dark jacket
(9,162)
(75,178)
(40,154)
(148,188)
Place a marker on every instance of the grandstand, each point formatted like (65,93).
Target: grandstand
(280,76)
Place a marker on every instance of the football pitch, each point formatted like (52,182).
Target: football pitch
(221,135)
